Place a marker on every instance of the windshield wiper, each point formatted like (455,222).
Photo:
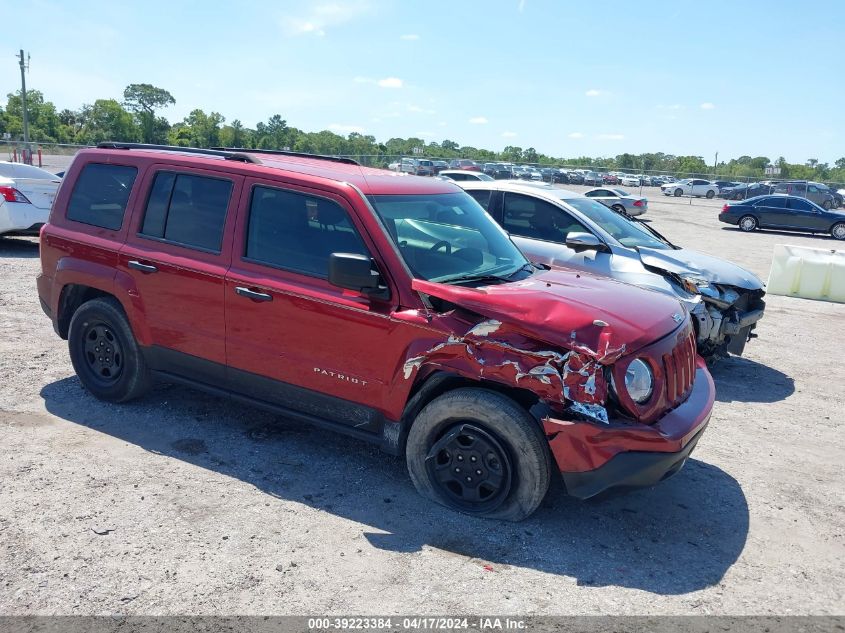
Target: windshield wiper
(485,277)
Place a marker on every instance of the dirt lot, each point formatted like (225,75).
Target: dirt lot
(184,503)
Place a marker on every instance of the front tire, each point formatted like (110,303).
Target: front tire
(837,231)
(479,452)
(104,352)
(747,223)
(679,193)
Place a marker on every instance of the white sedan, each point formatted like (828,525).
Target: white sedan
(629,181)
(26,195)
(691,187)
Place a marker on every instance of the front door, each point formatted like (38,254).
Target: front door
(540,228)
(292,338)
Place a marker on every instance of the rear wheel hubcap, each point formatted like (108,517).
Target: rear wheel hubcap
(103,353)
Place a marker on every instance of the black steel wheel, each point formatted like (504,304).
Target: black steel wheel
(479,452)
(104,352)
(470,468)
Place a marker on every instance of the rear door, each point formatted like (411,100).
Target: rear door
(177,255)
(292,338)
(772,211)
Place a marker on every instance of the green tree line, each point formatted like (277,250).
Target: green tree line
(136,119)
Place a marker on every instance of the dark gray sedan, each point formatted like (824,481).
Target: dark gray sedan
(785,213)
(619,200)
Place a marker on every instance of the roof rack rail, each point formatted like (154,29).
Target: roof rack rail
(281,152)
(228,155)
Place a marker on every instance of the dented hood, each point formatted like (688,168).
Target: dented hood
(686,262)
(561,307)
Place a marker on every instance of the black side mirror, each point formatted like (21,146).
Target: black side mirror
(354,271)
(584,242)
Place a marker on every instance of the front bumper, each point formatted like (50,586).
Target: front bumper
(594,457)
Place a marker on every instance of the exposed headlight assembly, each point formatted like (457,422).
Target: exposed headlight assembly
(639,381)
(694,285)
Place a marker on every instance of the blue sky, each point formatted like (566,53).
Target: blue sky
(567,78)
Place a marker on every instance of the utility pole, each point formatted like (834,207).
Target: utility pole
(24,64)
(715,163)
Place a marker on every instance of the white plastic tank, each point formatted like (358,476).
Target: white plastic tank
(809,273)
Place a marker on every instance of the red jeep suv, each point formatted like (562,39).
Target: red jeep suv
(386,307)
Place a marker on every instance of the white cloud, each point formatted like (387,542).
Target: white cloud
(320,17)
(576,135)
(419,110)
(592,92)
(521,6)
(611,137)
(674,106)
(387,82)
(409,37)
(390,82)
(337,127)
(442,123)
(707,106)
(478,120)
(509,134)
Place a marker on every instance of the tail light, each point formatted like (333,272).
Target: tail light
(10,194)
(638,203)
(725,208)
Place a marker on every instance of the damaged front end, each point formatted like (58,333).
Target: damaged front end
(725,318)
(616,411)
(572,382)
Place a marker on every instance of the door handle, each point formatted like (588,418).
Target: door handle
(144,268)
(251,294)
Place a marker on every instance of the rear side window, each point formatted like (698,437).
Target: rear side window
(189,210)
(297,232)
(100,195)
(774,203)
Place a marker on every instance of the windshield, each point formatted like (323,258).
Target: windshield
(627,232)
(446,236)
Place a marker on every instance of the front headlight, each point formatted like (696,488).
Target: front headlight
(639,381)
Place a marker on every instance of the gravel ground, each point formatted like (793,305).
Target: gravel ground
(182,503)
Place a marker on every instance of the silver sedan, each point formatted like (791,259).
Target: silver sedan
(619,200)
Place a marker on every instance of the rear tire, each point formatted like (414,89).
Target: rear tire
(827,204)
(619,208)
(104,352)
(710,194)
(679,193)
(479,452)
(837,231)
(747,223)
